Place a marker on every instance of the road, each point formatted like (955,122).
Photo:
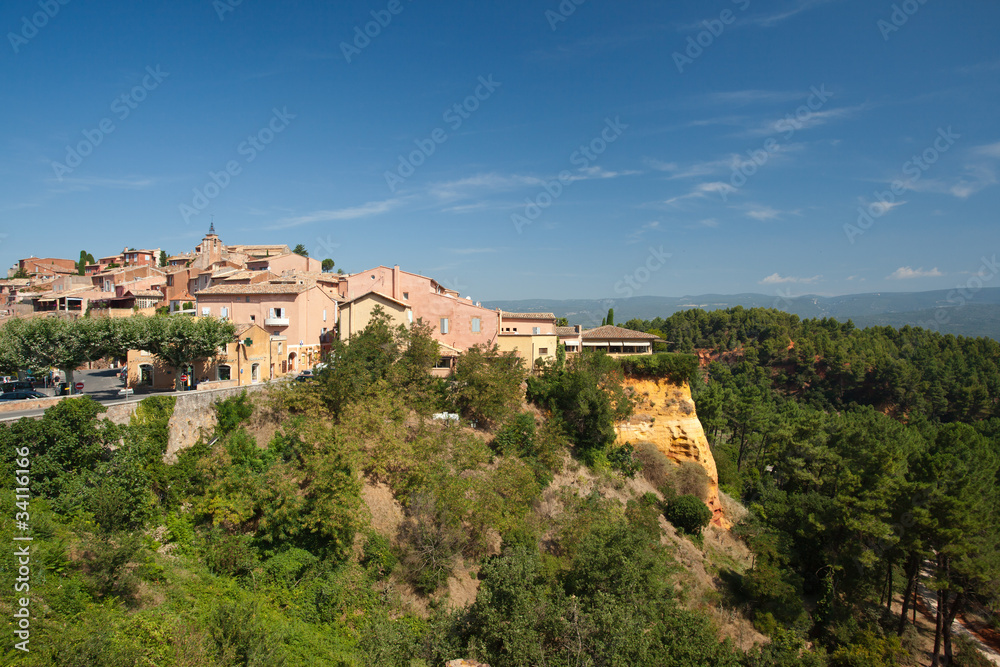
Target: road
(929,598)
(101,385)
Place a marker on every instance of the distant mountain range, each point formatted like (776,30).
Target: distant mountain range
(969,313)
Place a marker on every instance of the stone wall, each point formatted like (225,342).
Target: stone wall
(193,415)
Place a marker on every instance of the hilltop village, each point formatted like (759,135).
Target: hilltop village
(287,308)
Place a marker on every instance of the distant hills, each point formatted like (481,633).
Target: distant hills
(972,313)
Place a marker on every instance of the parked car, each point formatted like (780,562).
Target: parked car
(17,385)
(20,395)
(305,375)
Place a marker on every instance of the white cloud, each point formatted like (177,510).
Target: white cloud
(880,208)
(351,213)
(703,190)
(745,97)
(128,183)
(977,177)
(989,150)
(771,20)
(777,279)
(763,213)
(637,235)
(908,273)
(479,184)
(491,182)
(806,122)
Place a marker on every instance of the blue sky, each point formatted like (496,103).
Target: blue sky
(516,149)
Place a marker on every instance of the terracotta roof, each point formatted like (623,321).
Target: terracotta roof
(146,292)
(239,275)
(256,288)
(566,331)
(243,328)
(527,316)
(610,332)
(380,295)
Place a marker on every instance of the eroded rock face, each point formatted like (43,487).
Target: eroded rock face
(665,415)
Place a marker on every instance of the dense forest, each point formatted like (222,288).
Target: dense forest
(335,522)
(869,461)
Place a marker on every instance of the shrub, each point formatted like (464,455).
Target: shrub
(106,562)
(241,636)
(378,557)
(433,541)
(690,479)
(516,437)
(688,514)
(232,412)
(623,460)
(869,649)
(966,653)
(488,384)
(230,555)
(656,467)
(539,449)
(674,367)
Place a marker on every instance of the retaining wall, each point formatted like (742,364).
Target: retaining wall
(193,414)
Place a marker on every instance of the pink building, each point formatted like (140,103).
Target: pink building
(108,280)
(285,263)
(457,323)
(297,315)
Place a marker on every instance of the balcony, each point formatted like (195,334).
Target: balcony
(276,322)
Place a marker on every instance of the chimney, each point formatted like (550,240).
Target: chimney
(395,283)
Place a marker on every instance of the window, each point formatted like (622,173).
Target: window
(444,325)
(248,299)
(324,315)
(543,350)
(406,296)
(225,372)
(476,325)
(224,313)
(409,316)
(536,330)
(206,311)
(253,318)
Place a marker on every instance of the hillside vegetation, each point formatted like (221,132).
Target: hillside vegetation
(335,522)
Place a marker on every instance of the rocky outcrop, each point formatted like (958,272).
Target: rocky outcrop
(665,416)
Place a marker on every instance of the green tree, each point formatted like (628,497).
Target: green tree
(610,319)
(562,322)
(688,513)
(328,264)
(85,259)
(487,383)
(300,250)
(378,356)
(588,397)
(180,341)
(57,343)
(163,258)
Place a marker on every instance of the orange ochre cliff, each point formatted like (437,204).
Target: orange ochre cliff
(665,416)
